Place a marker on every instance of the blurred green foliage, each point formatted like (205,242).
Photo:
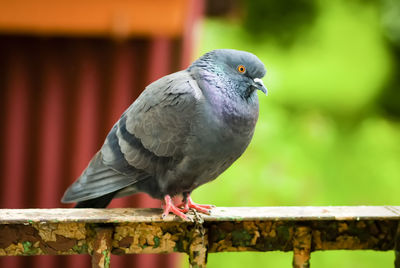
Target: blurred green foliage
(276,19)
(322,138)
(390,19)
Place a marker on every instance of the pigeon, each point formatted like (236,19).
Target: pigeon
(183,131)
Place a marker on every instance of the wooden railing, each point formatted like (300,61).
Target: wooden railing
(100,232)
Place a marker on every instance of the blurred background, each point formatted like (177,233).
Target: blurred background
(328,132)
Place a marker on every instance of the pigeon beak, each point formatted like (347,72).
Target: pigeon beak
(258,83)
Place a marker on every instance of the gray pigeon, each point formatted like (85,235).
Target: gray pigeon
(184,130)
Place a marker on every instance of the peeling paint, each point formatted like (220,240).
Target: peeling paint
(49,232)
(12,250)
(100,246)
(146,238)
(37,237)
(302,242)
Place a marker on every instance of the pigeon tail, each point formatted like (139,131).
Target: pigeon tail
(98,202)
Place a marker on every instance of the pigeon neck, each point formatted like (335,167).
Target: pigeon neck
(239,112)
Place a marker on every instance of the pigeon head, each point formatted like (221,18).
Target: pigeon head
(240,70)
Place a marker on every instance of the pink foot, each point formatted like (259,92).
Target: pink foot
(188,204)
(170,207)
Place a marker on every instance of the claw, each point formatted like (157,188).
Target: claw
(184,207)
(170,207)
(188,204)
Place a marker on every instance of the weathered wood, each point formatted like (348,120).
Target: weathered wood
(198,248)
(302,247)
(43,239)
(8,216)
(133,231)
(101,246)
(279,235)
(198,245)
(397,247)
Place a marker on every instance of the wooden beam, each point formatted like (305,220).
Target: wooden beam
(101,246)
(135,231)
(356,213)
(117,18)
(302,247)
(397,247)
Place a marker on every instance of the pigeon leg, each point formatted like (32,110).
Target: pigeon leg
(170,207)
(188,204)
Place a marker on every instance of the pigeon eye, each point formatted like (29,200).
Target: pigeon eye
(241,69)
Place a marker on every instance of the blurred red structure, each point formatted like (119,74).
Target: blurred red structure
(59,96)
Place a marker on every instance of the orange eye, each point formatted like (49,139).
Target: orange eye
(241,69)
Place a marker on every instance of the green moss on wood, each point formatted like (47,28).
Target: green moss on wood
(82,249)
(28,249)
(107,258)
(179,247)
(27,246)
(283,232)
(241,238)
(156,240)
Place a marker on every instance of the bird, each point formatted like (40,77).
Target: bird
(183,131)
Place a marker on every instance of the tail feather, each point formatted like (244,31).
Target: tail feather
(98,181)
(98,202)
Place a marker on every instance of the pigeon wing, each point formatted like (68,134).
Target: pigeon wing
(156,126)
